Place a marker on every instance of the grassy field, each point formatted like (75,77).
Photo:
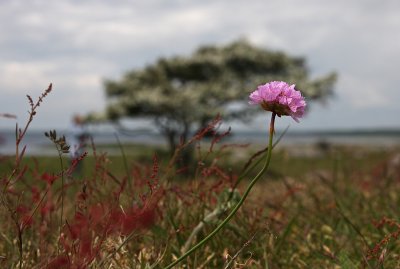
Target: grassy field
(333,207)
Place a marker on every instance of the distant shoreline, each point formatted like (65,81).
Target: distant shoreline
(38,144)
(341,132)
(356,131)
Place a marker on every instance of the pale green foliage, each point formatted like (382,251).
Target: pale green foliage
(185,92)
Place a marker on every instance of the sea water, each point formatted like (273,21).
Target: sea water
(38,144)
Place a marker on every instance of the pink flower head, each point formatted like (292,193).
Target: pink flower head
(280,98)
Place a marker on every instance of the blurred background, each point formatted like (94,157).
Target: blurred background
(78,45)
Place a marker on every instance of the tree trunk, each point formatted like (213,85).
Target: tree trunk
(186,156)
(171,136)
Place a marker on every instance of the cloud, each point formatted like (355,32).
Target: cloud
(18,76)
(364,93)
(76,44)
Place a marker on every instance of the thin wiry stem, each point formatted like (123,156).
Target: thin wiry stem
(62,194)
(239,204)
(121,148)
(21,133)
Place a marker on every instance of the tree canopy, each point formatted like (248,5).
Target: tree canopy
(184,92)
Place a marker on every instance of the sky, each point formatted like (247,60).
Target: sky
(77,44)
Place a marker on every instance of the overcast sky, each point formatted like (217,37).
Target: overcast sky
(77,44)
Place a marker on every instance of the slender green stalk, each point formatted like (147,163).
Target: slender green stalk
(251,167)
(62,196)
(239,204)
(62,147)
(121,148)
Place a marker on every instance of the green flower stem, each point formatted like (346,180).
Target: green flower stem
(239,204)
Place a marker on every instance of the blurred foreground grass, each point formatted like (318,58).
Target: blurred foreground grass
(335,207)
(296,161)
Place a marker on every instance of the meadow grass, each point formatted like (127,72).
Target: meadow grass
(331,209)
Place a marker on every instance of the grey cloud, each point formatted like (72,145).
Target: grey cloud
(76,43)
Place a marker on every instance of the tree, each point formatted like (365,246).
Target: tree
(183,93)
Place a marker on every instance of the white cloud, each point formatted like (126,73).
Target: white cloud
(364,92)
(20,77)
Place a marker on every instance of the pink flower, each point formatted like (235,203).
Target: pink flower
(280,98)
